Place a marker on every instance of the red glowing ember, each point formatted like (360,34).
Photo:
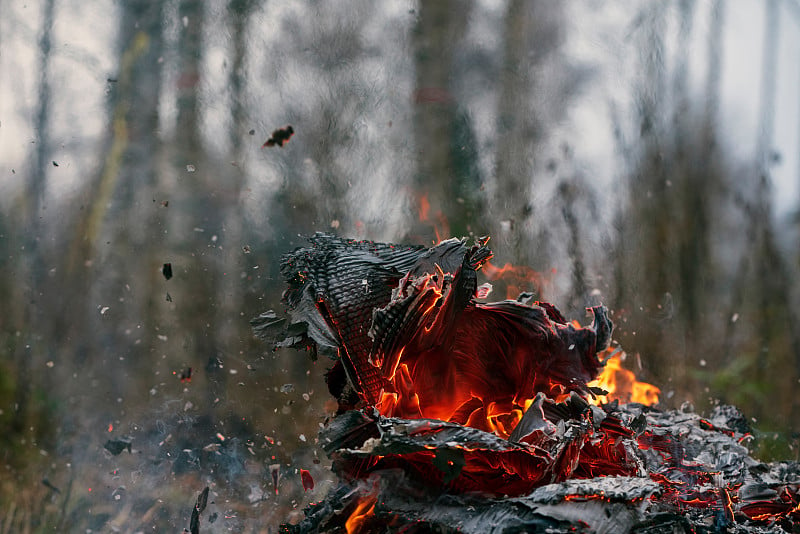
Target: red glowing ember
(307,480)
(186,375)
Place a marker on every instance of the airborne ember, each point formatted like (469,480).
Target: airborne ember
(461,415)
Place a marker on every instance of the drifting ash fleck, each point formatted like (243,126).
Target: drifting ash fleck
(116,446)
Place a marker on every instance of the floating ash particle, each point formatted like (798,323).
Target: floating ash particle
(104,309)
(50,364)
(256,494)
(165,203)
(246,249)
(220,436)
(186,375)
(116,446)
(190,168)
(55,164)
(483,291)
(166,270)
(50,485)
(279,137)
(169,297)
(287,388)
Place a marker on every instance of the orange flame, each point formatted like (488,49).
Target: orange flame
(405,401)
(518,278)
(441,227)
(364,509)
(424,208)
(501,418)
(621,383)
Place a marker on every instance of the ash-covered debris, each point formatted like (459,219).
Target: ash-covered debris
(610,489)
(685,486)
(405,330)
(333,287)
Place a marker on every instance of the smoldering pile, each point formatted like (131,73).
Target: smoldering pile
(462,415)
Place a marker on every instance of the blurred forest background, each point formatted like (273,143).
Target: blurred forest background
(643,154)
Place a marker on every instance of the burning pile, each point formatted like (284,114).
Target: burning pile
(457,414)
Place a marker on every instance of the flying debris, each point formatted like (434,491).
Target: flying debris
(46,482)
(307,480)
(186,375)
(116,446)
(199,506)
(275,471)
(279,137)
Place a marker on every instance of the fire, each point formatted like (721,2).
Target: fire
(405,400)
(500,418)
(424,208)
(365,509)
(621,384)
(518,278)
(437,219)
(491,397)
